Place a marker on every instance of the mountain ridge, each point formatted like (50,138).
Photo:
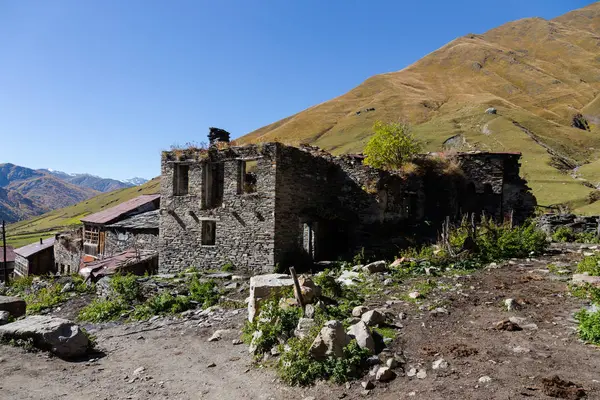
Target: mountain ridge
(539,74)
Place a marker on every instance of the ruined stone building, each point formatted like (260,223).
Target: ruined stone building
(35,259)
(259,206)
(101,238)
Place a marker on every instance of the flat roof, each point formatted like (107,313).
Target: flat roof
(34,248)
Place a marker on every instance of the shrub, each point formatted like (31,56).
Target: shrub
(101,310)
(296,367)
(161,304)
(20,284)
(126,287)
(274,322)
(44,298)
(204,293)
(589,326)
(590,265)
(563,234)
(391,145)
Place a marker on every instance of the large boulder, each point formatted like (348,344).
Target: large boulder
(362,334)
(330,341)
(582,279)
(263,286)
(16,306)
(373,317)
(374,267)
(59,336)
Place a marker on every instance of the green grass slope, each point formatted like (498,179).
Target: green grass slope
(46,225)
(538,74)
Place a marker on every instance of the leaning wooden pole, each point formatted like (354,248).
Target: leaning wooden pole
(297,287)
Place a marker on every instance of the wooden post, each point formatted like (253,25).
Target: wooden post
(297,287)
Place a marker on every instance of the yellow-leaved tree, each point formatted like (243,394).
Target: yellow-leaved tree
(391,145)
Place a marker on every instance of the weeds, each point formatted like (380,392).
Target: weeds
(590,265)
(589,326)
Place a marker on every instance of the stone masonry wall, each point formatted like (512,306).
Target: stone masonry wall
(119,240)
(244,221)
(68,250)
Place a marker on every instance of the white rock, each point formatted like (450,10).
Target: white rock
(358,311)
(485,379)
(511,304)
(422,374)
(4,317)
(362,334)
(440,364)
(411,372)
(414,295)
(348,278)
(373,317)
(330,341)
(385,374)
(60,336)
(139,371)
(254,343)
(263,286)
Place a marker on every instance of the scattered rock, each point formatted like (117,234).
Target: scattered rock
(358,311)
(373,317)
(511,304)
(361,332)
(556,387)
(14,305)
(69,287)
(254,343)
(211,365)
(411,372)
(236,342)
(520,350)
(330,341)
(414,295)
(348,278)
(582,279)
(491,110)
(373,360)
(60,336)
(388,282)
(309,311)
(397,262)
(375,267)
(507,325)
(139,371)
(422,374)
(440,364)
(391,363)
(385,374)
(304,327)
(439,311)
(215,336)
(485,379)
(368,385)
(4,317)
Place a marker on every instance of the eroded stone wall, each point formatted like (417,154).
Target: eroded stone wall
(119,240)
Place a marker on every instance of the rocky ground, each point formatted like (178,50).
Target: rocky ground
(454,329)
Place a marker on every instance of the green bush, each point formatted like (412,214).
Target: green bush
(203,292)
(102,310)
(126,287)
(43,298)
(296,367)
(563,234)
(20,284)
(589,326)
(274,322)
(391,146)
(590,264)
(161,304)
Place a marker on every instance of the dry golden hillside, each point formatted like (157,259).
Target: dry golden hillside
(537,73)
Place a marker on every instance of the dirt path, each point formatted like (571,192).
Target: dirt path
(176,356)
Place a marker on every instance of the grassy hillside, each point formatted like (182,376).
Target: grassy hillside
(538,74)
(46,225)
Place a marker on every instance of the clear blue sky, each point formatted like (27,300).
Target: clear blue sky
(103,86)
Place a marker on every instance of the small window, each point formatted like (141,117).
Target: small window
(247,177)
(181,180)
(208,233)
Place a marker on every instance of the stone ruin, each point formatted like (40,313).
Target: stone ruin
(306,205)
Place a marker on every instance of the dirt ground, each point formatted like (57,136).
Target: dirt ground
(177,359)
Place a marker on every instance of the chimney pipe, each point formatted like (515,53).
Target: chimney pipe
(41,241)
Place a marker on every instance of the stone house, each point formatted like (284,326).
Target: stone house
(96,226)
(10,261)
(36,258)
(259,206)
(68,251)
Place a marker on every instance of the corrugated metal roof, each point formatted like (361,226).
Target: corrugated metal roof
(118,262)
(147,220)
(114,213)
(34,248)
(10,254)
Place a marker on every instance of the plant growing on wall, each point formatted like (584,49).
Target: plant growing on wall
(391,145)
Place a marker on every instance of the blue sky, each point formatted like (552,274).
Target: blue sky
(103,86)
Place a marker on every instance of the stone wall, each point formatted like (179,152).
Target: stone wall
(119,240)
(68,251)
(578,223)
(309,205)
(244,222)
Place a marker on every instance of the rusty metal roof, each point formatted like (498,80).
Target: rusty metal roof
(118,262)
(114,213)
(34,248)
(10,254)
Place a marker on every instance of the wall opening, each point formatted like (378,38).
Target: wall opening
(209,229)
(181,180)
(247,176)
(214,175)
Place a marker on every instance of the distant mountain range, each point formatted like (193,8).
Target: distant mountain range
(26,192)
